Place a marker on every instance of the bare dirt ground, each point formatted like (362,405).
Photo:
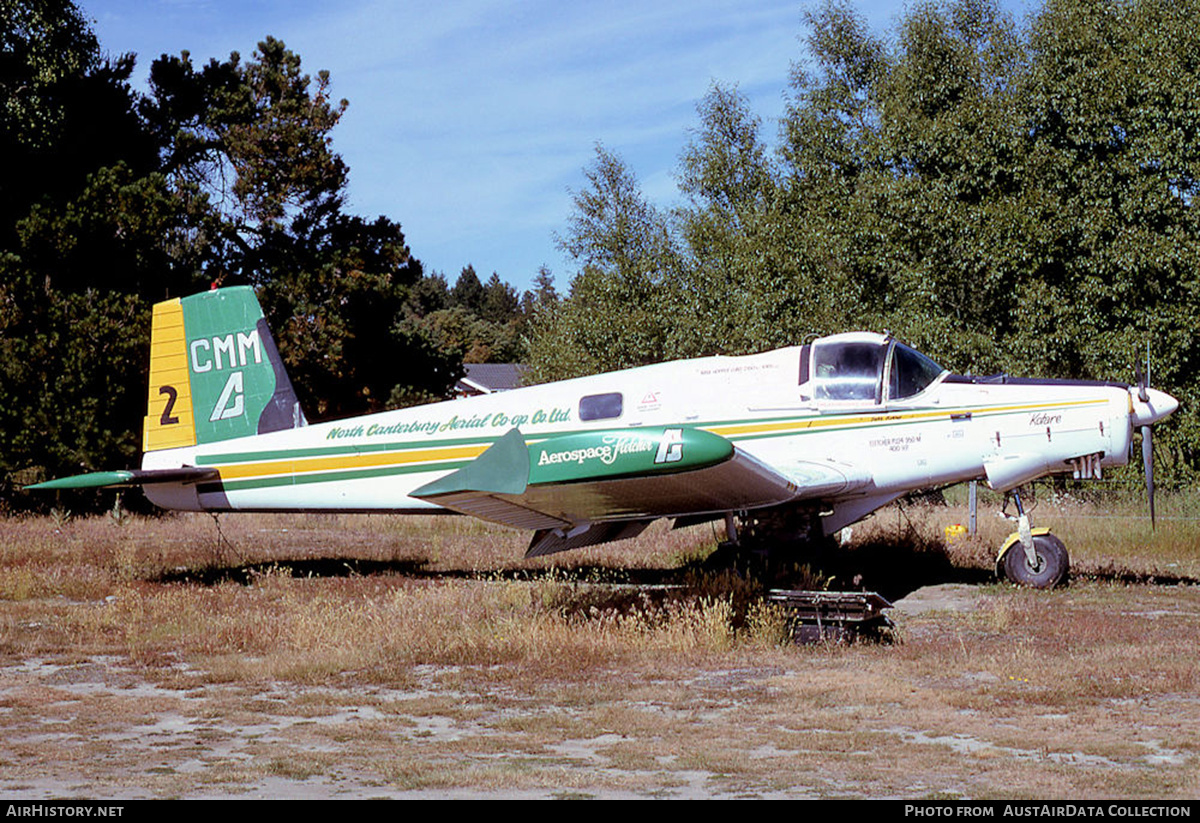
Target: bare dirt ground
(989,692)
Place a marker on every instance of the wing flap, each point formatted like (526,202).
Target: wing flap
(498,509)
(818,479)
(741,482)
(551,541)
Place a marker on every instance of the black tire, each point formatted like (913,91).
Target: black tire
(1053,563)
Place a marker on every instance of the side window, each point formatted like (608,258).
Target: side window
(805,369)
(601,406)
(848,371)
(911,372)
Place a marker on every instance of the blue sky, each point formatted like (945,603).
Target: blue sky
(470,120)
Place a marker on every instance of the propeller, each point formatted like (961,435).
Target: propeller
(1147,435)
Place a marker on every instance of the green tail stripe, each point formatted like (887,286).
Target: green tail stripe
(239,385)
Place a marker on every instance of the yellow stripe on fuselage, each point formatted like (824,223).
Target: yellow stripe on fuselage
(350,461)
(438,454)
(866,418)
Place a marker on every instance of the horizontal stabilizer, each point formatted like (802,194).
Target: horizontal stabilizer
(131,477)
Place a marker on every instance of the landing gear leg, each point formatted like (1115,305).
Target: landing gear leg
(1038,560)
(769,545)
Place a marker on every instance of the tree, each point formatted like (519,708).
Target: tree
(474,322)
(732,294)
(85,230)
(951,126)
(113,201)
(615,316)
(67,110)
(500,303)
(468,291)
(429,294)
(1112,177)
(250,142)
(1006,198)
(542,299)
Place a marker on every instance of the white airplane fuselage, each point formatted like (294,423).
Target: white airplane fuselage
(784,445)
(851,455)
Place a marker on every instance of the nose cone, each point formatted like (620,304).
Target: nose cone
(1156,406)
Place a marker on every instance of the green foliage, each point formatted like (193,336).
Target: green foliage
(223,173)
(251,140)
(499,300)
(67,362)
(44,46)
(477,323)
(1003,197)
(468,291)
(615,317)
(85,222)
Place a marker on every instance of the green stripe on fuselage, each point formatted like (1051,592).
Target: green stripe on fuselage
(849,422)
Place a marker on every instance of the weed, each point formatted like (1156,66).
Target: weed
(117,513)
(767,624)
(60,517)
(337,646)
(19,582)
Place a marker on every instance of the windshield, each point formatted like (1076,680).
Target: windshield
(910,372)
(853,370)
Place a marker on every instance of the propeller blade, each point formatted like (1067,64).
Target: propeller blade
(1143,395)
(1148,463)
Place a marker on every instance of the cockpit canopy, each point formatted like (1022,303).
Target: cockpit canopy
(867,368)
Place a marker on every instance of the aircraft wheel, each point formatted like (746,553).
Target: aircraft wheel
(1051,569)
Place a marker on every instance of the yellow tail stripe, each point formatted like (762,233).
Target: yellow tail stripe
(169,422)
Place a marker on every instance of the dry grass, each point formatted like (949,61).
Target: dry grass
(360,656)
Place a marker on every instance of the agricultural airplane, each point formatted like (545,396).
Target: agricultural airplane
(787,444)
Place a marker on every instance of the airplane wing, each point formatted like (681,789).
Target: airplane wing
(592,487)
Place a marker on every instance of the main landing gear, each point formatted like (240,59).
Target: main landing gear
(769,545)
(1032,557)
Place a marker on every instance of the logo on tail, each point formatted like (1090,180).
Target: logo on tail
(215,373)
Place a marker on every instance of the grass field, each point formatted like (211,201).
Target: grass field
(322,656)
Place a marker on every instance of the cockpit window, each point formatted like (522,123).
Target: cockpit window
(853,370)
(848,371)
(911,372)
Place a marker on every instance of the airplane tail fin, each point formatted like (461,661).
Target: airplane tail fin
(215,373)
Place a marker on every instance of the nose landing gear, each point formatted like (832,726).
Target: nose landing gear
(1032,557)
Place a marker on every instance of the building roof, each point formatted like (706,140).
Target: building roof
(485,378)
